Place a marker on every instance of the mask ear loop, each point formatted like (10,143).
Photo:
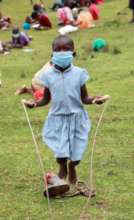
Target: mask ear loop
(74,54)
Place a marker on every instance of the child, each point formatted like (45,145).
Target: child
(5,22)
(131,6)
(4,48)
(85,19)
(19,39)
(65,16)
(36,89)
(27,24)
(67,125)
(43,21)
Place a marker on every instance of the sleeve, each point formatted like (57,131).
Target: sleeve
(43,78)
(36,79)
(84,77)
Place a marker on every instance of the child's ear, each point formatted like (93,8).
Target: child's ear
(74,53)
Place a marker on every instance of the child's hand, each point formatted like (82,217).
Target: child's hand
(100,99)
(29,104)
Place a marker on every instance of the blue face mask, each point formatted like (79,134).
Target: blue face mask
(62,59)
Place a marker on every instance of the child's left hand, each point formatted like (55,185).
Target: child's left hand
(100,99)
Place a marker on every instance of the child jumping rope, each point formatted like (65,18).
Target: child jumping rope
(67,126)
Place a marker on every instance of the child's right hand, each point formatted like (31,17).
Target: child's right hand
(29,104)
(100,99)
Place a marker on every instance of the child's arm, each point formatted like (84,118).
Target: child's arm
(44,101)
(86,99)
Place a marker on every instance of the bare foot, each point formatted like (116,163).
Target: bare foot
(21,90)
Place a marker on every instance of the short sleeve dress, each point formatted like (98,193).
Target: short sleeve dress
(67,126)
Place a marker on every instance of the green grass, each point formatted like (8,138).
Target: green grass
(20,177)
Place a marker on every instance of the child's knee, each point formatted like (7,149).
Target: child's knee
(61,160)
(74,163)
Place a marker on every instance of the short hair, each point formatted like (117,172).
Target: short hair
(63,38)
(34,15)
(15,30)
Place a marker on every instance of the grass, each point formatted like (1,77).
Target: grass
(111,73)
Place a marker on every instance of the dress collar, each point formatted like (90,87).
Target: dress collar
(66,70)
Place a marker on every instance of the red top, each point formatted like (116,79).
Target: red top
(45,21)
(99,1)
(94,11)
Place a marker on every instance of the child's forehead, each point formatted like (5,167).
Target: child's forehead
(64,43)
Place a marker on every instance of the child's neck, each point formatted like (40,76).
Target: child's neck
(62,69)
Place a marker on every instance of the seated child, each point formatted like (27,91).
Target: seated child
(26,25)
(4,48)
(65,16)
(43,21)
(85,19)
(94,11)
(5,22)
(36,89)
(19,39)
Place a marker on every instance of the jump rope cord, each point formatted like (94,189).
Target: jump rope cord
(94,144)
(92,156)
(39,156)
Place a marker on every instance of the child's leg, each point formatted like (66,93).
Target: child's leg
(72,171)
(24,89)
(62,167)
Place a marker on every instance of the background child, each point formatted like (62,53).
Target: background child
(131,6)
(36,89)
(4,47)
(43,21)
(5,22)
(85,19)
(67,125)
(19,39)
(65,16)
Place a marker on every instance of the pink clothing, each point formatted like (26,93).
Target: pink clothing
(94,11)
(65,15)
(5,22)
(38,95)
(99,1)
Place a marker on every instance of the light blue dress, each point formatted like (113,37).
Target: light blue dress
(67,126)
